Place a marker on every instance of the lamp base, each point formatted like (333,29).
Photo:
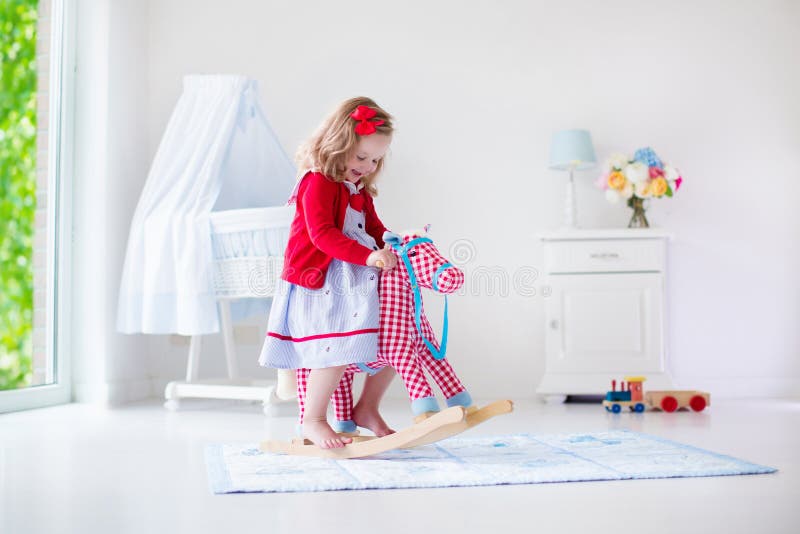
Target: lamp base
(570,215)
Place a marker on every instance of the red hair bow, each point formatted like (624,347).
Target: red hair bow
(365,126)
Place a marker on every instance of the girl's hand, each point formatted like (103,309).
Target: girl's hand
(382,259)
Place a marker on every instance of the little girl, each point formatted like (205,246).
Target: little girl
(325,312)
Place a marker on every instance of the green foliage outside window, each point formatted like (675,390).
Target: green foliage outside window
(17,188)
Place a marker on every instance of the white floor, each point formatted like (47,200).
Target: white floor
(140,469)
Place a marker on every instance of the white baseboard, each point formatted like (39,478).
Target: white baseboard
(122,392)
(741,387)
(113,393)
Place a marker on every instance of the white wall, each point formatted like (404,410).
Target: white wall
(477,88)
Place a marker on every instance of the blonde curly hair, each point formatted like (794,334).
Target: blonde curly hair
(328,149)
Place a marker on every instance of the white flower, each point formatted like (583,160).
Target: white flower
(670,173)
(642,189)
(637,172)
(627,191)
(616,161)
(612,195)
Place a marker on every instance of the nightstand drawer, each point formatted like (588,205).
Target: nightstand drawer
(604,255)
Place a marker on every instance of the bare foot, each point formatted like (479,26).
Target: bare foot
(322,435)
(368,417)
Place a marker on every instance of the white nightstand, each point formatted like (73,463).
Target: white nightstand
(605,317)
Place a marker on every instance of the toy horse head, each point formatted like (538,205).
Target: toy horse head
(432,270)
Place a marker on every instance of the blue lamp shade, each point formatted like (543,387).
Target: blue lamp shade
(572,149)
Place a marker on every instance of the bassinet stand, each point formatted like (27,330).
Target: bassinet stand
(233,387)
(233,278)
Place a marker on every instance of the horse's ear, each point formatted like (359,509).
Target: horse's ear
(428,228)
(391,238)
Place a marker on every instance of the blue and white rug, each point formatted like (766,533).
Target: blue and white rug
(482,461)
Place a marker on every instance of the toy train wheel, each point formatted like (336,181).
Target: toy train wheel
(697,403)
(616,408)
(669,403)
(639,408)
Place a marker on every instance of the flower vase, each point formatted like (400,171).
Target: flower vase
(638,219)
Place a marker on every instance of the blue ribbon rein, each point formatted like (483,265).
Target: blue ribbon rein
(438,354)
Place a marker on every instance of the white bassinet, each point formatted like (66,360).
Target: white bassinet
(248,246)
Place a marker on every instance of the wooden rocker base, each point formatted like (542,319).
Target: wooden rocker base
(439,426)
(475,416)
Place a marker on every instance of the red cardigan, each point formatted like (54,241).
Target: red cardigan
(316,237)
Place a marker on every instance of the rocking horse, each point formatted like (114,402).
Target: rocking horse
(406,342)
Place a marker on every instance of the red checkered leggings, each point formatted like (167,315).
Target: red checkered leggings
(408,366)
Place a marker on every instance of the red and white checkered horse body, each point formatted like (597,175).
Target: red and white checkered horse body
(400,345)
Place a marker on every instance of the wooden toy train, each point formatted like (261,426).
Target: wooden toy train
(637,401)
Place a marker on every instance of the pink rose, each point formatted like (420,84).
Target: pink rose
(655,172)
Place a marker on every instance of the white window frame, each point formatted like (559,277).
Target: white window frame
(59,216)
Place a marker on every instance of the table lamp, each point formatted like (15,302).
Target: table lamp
(571,150)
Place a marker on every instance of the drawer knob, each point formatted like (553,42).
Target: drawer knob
(554,324)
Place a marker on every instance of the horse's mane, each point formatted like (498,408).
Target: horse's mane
(416,232)
(402,271)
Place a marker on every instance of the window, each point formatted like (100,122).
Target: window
(34,214)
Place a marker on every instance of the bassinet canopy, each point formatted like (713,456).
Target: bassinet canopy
(218,153)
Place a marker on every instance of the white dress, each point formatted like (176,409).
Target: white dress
(334,325)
